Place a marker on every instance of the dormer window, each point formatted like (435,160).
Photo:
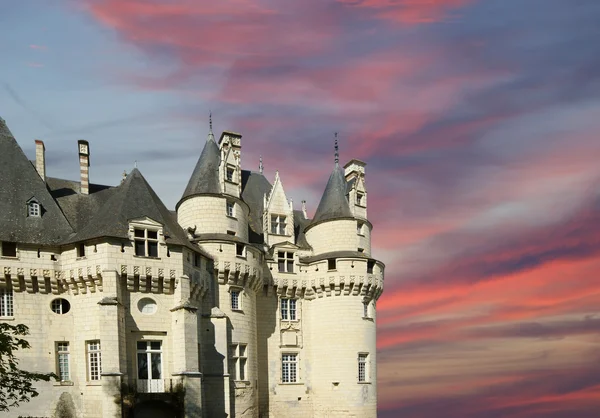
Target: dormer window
(278,224)
(146,242)
(230,171)
(34,209)
(285,261)
(360,199)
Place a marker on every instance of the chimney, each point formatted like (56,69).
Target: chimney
(40,158)
(84,165)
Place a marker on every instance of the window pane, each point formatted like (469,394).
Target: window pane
(290,266)
(139,233)
(140,248)
(156,365)
(293,309)
(152,234)
(281,265)
(154,345)
(152,249)
(142,365)
(141,345)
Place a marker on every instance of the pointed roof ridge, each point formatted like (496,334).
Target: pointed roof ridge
(133,199)
(21,182)
(205,177)
(211,136)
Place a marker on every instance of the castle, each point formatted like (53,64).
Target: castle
(233,305)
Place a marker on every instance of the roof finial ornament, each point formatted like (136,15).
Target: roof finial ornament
(337,153)
(210,131)
(260,165)
(135,163)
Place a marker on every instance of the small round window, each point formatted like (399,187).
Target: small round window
(147,306)
(60,306)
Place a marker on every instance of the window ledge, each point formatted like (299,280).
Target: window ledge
(231,182)
(332,270)
(280,235)
(9,257)
(291,383)
(63,383)
(364,383)
(232,217)
(81,258)
(7,318)
(360,205)
(146,257)
(244,257)
(368,318)
(287,272)
(361,235)
(238,310)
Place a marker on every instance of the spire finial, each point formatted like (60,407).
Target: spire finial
(337,154)
(260,165)
(135,163)
(211,136)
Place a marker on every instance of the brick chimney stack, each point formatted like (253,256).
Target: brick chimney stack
(40,158)
(84,165)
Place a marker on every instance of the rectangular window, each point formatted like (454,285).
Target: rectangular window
(360,228)
(285,261)
(81,250)
(94,360)
(362,367)
(365,309)
(278,224)
(235,300)
(229,175)
(360,199)
(6,302)
(197,260)
(33,209)
(230,209)
(288,309)
(146,242)
(331,264)
(240,250)
(9,249)
(62,360)
(370,265)
(239,359)
(289,368)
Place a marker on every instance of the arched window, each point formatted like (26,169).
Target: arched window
(33,208)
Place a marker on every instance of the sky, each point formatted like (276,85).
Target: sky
(478,120)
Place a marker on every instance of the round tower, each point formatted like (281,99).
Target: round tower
(216,218)
(340,367)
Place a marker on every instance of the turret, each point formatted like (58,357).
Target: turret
(211,201)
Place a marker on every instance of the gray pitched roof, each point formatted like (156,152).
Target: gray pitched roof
(299,224)
(133,199)
(333,204)
(254,187)
(205,177)
(19,182)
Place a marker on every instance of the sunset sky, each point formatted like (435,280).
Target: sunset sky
(479,121)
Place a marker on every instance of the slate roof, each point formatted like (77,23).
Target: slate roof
(299,224)
(205,177)
(133,199)
(333,204)
(20,182)
(254,187)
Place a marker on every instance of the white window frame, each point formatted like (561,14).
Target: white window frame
(363,367)
(285,264)
(7,308)
(230,208)
(34,209)
(94,360)
(146,239)
(235,299)
(289,368)
(278,224)
(288,309)
(239,360)
(63,361)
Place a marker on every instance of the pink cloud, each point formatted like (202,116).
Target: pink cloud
(410,11)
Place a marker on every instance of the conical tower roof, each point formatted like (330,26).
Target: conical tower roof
(205,177)
(333,204)
(19,183)
(133,199)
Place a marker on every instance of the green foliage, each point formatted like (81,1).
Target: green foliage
(16,385)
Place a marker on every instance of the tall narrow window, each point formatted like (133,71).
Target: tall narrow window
(331,264)
(229,174)
(360,199)
(94,360)
(240,250)
(239,359)
(6,302)
(360,228)
(289,368)
(62,360)
(288,309)
(235,300)
(230,209)
(365,309)
(149,365)
(285,261)
(362,367)
(146,242)
(278,224)
(370,265)
(9,249)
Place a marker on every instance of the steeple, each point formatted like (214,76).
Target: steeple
(205,177)
(333,204)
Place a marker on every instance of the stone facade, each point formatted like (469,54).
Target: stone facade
(262,312)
